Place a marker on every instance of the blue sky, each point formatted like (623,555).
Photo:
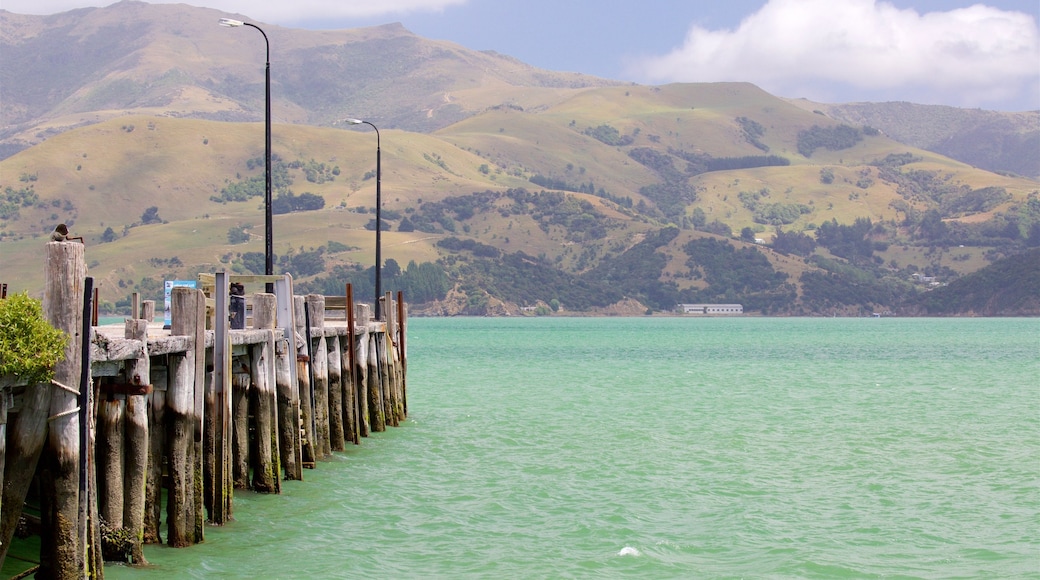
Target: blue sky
(981,53)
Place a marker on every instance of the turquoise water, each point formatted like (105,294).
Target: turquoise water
(672,448)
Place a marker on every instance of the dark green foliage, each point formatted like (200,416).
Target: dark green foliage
(972,200)
(478,249)
(110,235)
(772,213)
(742,276)
(237,235)
(609,136)
(747,235)
(336,247)
(793,243)
(661,163)
(288,202)
(524,279)
(849,242)
(151,216)
(831,138)
(824,290)
(746,162)
(316,172)
(420,283)
(637,272)
(14,199)
(730,271)
(371,226)
(254,262)
(29,345)
(250,187)
(671,198)
(306,263)
(718,228)
(753,130)
(896,160)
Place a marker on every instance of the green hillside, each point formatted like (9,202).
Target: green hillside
(507,189)
(572,188)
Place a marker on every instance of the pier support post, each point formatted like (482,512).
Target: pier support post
(266,463)
(188,307)
(361,373)
(138,374)
(240,383)
(334,356)
(349,374)
(320,370)
(61,555)
(156,444)
(303,380)
(375,386)
(288,411)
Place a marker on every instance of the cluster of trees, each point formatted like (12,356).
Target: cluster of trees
(478,249)
(609,136)
(245,189)
(12,200)
(288,202)
(316,172)
(425,282)
(851,242)
(753,131)
(741,276)
(637,271)
(832,138)
(777,213)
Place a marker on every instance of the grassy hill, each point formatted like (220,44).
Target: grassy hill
(108,175)
(506,185)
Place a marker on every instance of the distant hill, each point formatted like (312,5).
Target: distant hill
(996,141)
(505,189)
(78,67)
(1009,287)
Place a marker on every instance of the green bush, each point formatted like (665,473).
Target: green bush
(29,345)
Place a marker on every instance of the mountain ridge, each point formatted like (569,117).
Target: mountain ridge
(558,178)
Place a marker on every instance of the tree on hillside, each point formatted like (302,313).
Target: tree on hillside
(151,216)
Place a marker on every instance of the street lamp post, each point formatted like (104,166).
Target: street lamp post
(268,220)
(379,222)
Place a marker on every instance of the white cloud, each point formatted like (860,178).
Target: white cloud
(276,11)
(806,47)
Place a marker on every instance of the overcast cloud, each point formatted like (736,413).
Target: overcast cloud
(796,47)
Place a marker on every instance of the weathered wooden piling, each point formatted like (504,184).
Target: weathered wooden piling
(157,439)
(334,358)
(375,386)
(349,374)
(288,412)
(240,383)
(362,374)
(304,382)
(138,375)
(184,476)
(267,463)
(320,374)
(61,555)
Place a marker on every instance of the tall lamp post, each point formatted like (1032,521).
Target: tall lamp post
(379,223)
(268,221)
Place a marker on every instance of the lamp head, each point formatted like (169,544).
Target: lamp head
(353,121)
(230,23)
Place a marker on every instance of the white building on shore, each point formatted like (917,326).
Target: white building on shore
(724,309)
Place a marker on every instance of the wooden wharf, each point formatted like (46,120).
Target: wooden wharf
(236,392)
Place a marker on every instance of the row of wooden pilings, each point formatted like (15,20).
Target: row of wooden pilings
(140,416)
